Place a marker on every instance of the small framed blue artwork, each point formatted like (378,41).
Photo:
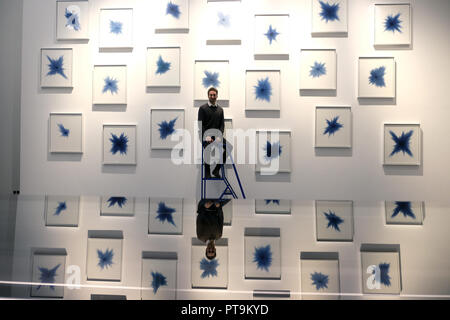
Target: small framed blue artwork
(404,212)
(110,85)
(263,90)
(117,206)
(165,216)
(334,220)
(273,152)
(273,206)
(104,255)
(48,275)
(402,144)
(66,133)
(56,68)
(62,211)
(227,21)
(329,18)
(209,73)
(172,16)
(392,24)
(318,69)
(116,29)
(167,127)
(377,78)
(119,144)
(159,275)
(163,67)
(72,20)
(333,127)
(272,36)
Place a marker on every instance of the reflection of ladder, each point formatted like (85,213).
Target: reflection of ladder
(228,188)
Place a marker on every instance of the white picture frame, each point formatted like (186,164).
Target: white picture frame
(402,144)
(272,206)
(211,73)
(116,28)
(163,67)
(272,36)
(334,220)
(159,276)
(117,206)
(269,160)
(404,212)
(318,69)
(333,127)
(263,90)
(62,211)
(165,216)
(48,272)
(119,144)
(172,16)
(392,24)
(164,124)
(109,85)
(66,133)
(72,20)
(329,17)
(226,27)
(56,68)
(377,77)
(104,256)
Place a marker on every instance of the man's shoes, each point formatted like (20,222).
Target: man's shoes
(208,176)
(216,175)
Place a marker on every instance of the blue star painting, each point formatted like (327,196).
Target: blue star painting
(224,20)
(209,268)
(162,66)
(377,77)
(263,90)
(48,276)
(319,280)
(166,128)
(272,34)
(115,27)
(165,213)
(333,220)
(63,130)
(110,85)
(119,201)
(262,256)
(384,274)
(62,206)
(73,20)
(272,150)
(403,207)
(329,11)
(393,23)
(333,126)
(401,143)
(105,259)
(119,144)
(173,10)
(158,280)
(317,70)
(56,67)
(211,79)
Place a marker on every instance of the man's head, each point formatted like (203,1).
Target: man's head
(213,93)
(210,252)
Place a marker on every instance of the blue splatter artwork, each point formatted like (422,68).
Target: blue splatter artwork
(110,85)
(333,220)
(73,20)
(384,274)
(268,201)
(263,90)
(158,280)
(393,23)
(317,70)
(262,256)
(165,213)
(333,126)
(63,130)
(166,128)
(211,79)
(329,11)
(401,143)
(47,276)
(62,206)
(119,201)
(173,10)
(319,280)
(105,259)
(272,150)
(272,34)
(56,66)
(209,268)
(119,144)
(162,66)
(224,20)
(403,207)
(377,77)
(115,27)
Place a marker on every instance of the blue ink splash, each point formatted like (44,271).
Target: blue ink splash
(329,11)
(268,201)
(401,143)
(405,208)
(263,257)
(165,213)
(166,128)
(319,280)
(384,274)
(115,27)
(105,259)
(271,34)
(333,126)
(110,85)
(120,201)
(224,20)
(158,280)
(64,131)
(263,91)
(317,70)
(162,66)
(393,23)
(47,276)
(209,268)
(211,79)
(62,206)
(56,66)
(272,151)
(333,220)
(377,77)
(119,144)
(73,20)
(173,10)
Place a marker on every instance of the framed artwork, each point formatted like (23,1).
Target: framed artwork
(334,220)
(49,270)
(320,275)
(165,123)
(165,216)
(392,24)
(271,294)
(163,67)
(66,133)
(380,269)
(119,144)
(404,212)
(272,35)
(72,20)
(108,297)
(226,25)
(262,253)
(172,16)
(318,69)
(211,74)
(56,68)
(62,211)
(402,144)
(159,275)
(116,28)
(376,78)
(104,255)
(117,206)
(227,208)
(333,127)
(274,152)
(207,273)
(329,17)
(110,85)
(273,206)
(262,90)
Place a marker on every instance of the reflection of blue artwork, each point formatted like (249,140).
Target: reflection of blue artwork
(110,85)
(158,280)
(62,206)
(377,77)
(329,11)
(319,280)
(271,34)
(120,201)
(173,10)
(162,66)
(211,79)
(209,268)
(262,256)
(166,128)
(47,276)
(165,213)
(115,27)
(401,143)
(333,220)
(56,66)
(332,126)
(317,70)
(105,259)
(224,20)
(393,23)
(119,144)
(268,201)
(73,20)
(63,130)
(272,150)
(403,207)
(263,90)
(384,274)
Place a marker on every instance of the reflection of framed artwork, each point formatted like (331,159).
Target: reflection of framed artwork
(117,206)
(66,133)
(119,144)
(56,68)
(159,275)
(72,20)
(172,16)
(404,212)
(211,74)
(49,270)
(329,17)
(318,69)
(274,152)
(165,216)
(272,35)
(62,211)
(116,28)
(227,209)
(376,78)
(163,67)
(392,24)
(164,124)
(104,255)
(333,127)
(273,206)
(262,90)
(334,220)
(223,23)
(110,85)
(402,144)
